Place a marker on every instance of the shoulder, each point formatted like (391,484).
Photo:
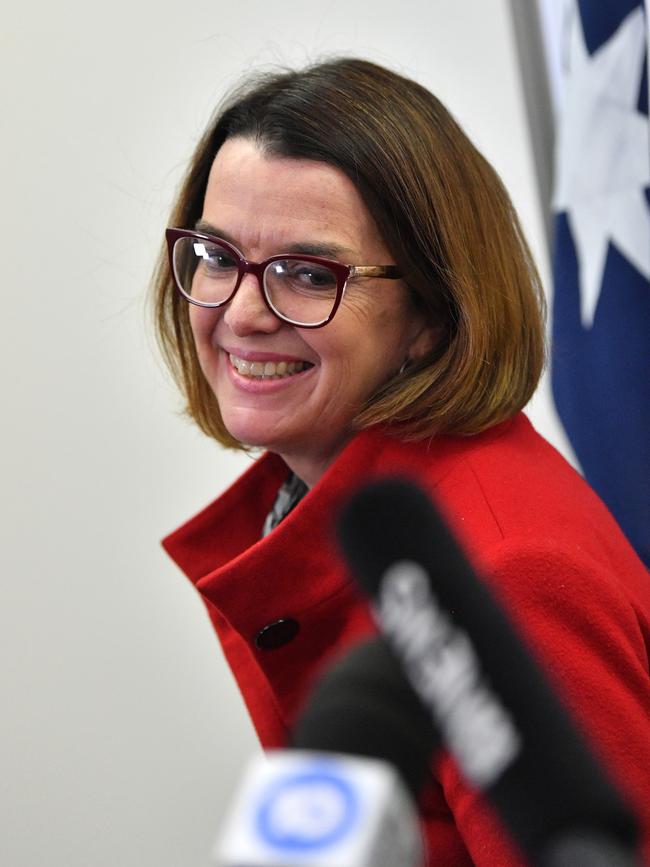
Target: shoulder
(510,493)
(508,479)
(522,513)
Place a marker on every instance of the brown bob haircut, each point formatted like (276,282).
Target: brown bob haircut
(444,215)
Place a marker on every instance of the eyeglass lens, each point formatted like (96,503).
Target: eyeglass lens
(301,291)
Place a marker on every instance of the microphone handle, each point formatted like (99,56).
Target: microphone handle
(588,850)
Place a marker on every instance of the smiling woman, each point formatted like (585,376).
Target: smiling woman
(416,184)
(306,414)
(345,286)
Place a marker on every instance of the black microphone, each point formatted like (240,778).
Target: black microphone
(364,706)
(343,794)
(490,701)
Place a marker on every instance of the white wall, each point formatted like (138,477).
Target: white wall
(121,731)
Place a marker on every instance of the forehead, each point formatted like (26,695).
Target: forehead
(262,201)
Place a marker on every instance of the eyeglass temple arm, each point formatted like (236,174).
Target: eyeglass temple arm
(390,272)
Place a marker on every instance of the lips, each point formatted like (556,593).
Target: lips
(267,369)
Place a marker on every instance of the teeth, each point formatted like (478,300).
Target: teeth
(267,369)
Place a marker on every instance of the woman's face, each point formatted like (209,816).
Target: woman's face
(265,205)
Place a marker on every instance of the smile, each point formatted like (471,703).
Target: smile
(267,369)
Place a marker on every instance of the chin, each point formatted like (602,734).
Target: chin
(255,436)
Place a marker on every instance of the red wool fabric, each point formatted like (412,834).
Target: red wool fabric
(547,547)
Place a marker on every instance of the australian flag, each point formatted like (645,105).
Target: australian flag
(601,307)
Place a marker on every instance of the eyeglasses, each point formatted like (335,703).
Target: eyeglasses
(302,290)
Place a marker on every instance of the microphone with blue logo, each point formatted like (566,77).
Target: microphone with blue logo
(344,795)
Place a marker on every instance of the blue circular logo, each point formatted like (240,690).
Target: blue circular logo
(307,810)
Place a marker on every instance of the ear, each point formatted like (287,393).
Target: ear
(425,338)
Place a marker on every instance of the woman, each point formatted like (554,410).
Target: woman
(362,302)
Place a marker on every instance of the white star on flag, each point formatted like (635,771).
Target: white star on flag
(603,156)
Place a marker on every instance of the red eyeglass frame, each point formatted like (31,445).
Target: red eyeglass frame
(343,273)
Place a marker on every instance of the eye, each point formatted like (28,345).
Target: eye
(304,276)
(317,276)
(215,259)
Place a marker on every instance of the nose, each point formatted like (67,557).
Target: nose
(247,312)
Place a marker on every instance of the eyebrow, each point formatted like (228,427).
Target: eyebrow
(310,248)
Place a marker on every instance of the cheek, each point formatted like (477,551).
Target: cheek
(370,334)
(332,345)
(202,323)
(379,314)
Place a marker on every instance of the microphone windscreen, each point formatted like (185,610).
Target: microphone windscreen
(393,519)
(364,706)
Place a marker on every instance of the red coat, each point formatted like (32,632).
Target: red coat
(547,546)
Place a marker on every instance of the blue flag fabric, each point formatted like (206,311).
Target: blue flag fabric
(601,307)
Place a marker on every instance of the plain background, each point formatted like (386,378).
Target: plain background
(121,732)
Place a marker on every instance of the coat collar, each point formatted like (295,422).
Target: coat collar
(223,554)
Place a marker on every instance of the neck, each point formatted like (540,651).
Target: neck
(309,467)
